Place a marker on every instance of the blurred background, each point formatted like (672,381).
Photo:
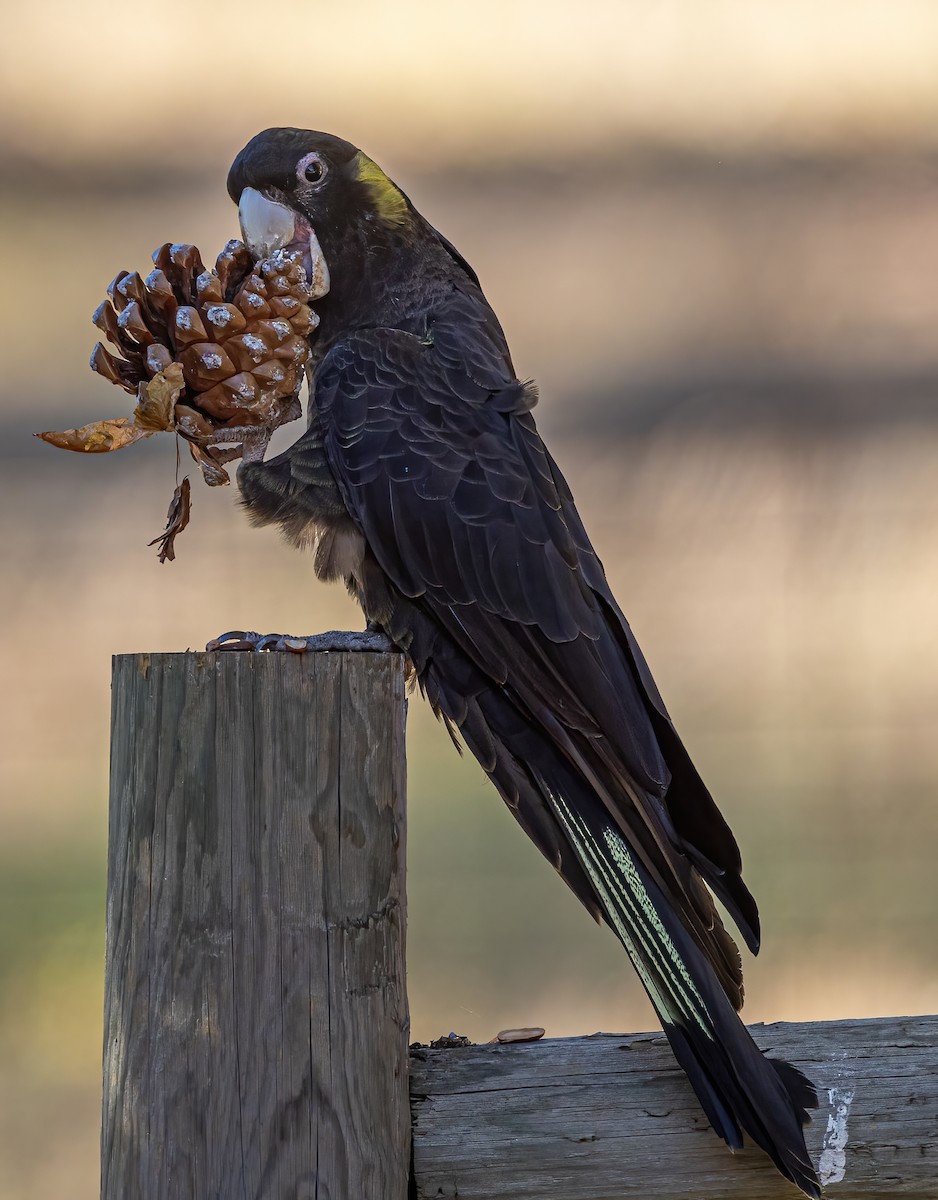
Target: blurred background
(710,229)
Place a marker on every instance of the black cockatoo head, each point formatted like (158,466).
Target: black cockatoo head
(297,188)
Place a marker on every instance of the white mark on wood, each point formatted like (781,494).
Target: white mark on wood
(832,1165)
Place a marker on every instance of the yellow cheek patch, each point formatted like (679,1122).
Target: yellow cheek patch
(389,202)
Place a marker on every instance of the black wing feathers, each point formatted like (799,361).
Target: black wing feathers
(479,565)
(463,508)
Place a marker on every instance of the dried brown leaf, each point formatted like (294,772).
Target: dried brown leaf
(156,400)
(98,437)
(177,518)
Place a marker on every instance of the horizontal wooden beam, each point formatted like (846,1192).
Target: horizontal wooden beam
(609,1116)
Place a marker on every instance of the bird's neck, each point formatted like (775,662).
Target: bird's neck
(379,277)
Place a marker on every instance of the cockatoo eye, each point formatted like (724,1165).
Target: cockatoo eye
(311,169)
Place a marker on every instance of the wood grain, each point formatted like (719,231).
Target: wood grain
(609,1116)
(255,1010)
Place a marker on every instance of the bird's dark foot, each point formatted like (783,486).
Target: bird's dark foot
(372,640)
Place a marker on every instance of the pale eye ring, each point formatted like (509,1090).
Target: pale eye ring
(311,169)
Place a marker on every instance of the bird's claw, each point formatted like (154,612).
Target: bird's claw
(372,640)
(235,639)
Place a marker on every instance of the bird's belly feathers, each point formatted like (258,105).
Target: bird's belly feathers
(340,549)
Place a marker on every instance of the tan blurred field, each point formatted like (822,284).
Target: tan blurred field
(714,242)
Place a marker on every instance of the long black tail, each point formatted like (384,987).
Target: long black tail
(557,805)
(738,1087)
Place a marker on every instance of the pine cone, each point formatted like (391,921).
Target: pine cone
(209,350)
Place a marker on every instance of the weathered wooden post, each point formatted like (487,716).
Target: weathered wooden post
(256,1019)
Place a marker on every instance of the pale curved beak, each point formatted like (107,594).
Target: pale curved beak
(266,226)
